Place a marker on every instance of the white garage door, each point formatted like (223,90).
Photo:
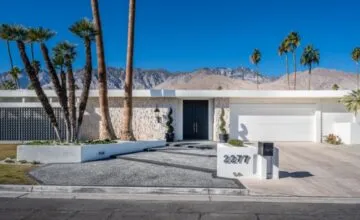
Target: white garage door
(272,122)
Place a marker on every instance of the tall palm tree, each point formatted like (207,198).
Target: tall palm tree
(309,57)
(352,102)
(255,59)
(86,31)
(293,42)
(20,36)
(15,72)
(41,35)
(356,57)
(32,38)
(7,34)
(67,51)
(284,50)
(107,129)
(126,132)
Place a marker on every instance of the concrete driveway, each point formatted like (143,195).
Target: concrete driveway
(309,169)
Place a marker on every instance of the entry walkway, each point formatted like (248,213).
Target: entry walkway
(309,169)
(183,164)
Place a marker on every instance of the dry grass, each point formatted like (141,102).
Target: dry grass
(15,174)
(7,150)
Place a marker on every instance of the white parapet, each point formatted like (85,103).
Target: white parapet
(82,153)
(348,132)
(245,162)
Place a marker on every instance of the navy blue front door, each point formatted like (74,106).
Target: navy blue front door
(196,120)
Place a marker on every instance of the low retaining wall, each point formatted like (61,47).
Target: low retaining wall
(82,153)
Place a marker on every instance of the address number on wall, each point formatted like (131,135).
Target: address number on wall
(236,159)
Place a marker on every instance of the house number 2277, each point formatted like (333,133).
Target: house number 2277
(236,159)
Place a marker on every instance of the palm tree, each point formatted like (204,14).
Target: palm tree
(293,42)
(352,102)
(356,57)
(15,72)
(284,49)
(126,132)
(67,51)
(85,30)
(107,131)
(42,35)
(255,59)
(6,33)
(32,38)
(309,57)
(20,36)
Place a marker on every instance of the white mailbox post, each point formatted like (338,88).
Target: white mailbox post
(246,162)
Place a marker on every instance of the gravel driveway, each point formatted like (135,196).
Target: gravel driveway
(179,165)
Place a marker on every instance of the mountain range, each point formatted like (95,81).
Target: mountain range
(204,78)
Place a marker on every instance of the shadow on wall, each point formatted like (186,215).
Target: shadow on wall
(297,174)
(243,133)
(91,123)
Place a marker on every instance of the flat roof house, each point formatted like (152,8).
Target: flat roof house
(249,115)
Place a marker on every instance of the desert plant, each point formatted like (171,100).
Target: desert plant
(222,122)
(126,131)
(309,57)
(8,85)
(356,58)
(352,102)
(284,49)
(86,31)
(169,126)
(236,143)
(333,139)
(15,72)
(255,59)
(107,128)
(293,42)
(335,87)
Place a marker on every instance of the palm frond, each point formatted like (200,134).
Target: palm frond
(255,58)
(310,56)
(40,34)
(356,54)
(352,102)
(84,29)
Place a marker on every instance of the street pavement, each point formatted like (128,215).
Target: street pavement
(49,209)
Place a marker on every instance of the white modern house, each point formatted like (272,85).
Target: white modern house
(304,116)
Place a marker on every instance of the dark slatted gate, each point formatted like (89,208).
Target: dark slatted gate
(22,124)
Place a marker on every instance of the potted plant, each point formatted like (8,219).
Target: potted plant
(223,136)
(170,136)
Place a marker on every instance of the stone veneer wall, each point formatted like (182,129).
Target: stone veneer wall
(220,103)
(145,125)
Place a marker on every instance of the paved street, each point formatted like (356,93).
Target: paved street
(31,209)
(310,169)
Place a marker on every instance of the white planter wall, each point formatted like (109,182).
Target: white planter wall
(82,153)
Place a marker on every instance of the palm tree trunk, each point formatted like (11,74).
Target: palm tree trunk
(294,60)
(10,56)
(87,82)
(32,52)
(358,75)
(57,86)
(257,78)
(127,133)
(64,92)
(309,85)
(287,69)
(38,90)
(107,131)
(72,100)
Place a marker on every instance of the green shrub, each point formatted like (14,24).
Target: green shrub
(35,162)
(106,141)
(333,139)
(22,161)
(170,128)
(236,143)
(222,122)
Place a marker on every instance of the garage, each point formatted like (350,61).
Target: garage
(272,122)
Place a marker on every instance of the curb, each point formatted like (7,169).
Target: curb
(124,190)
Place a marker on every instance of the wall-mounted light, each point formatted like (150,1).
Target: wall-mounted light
(157,114)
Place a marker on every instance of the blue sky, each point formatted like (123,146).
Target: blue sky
(182,35)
